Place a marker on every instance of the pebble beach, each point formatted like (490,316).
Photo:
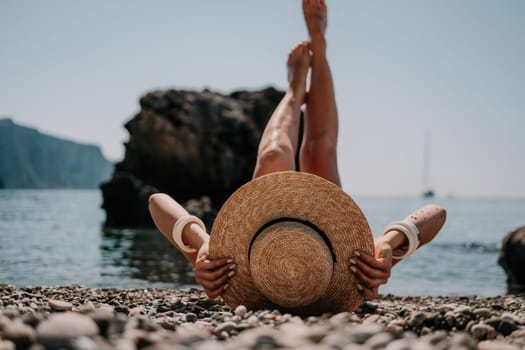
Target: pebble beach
(76,317)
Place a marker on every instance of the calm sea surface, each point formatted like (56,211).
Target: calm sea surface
(56,237)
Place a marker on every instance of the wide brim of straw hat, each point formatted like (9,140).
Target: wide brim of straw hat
(296,196)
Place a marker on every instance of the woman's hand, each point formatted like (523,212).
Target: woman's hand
(213,275)
(372,271)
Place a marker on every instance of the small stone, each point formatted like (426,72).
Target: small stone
(417,319)
(253,321)
(462,340)
(335,341)
(510,317)
(88,306)
(20,334)
(60,305)
(494,322)
(136,311)
(361,333)
(122,309)
(400,344)
(266,342)
(84,343)
(102,318)
(11,312)
(379,340)
(482,313)
(59,329)
(483,331)
(520,333)
(507,326)
(4,322)
(340,319)
(496,345)
(425,331)
(240,310)
(6,345)
(191,317)
(224,327)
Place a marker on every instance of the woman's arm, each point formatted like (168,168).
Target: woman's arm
(213,275)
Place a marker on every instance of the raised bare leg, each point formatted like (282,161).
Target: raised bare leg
(318,153)
(279,141)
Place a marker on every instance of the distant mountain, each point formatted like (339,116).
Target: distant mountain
(30,159)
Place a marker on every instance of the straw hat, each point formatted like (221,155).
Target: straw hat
(291,235)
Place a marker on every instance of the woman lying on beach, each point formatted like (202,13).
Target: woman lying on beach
(317,155)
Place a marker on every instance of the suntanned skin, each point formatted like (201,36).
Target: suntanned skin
(276,152)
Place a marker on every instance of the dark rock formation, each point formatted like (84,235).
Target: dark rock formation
(512,259)
(187,144)
(30,159)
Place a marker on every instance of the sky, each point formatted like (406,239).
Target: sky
(405,72)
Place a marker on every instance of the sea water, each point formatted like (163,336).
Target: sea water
(57,237)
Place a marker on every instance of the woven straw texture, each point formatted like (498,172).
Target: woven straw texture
(305,278)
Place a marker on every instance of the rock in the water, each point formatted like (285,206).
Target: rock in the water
(512,259)
(187,144)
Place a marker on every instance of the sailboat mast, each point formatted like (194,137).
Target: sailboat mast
(426,162)
(427,191)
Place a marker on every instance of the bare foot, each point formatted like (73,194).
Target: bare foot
(298,64)
(315,17)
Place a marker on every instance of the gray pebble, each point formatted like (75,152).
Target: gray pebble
(224,327)
(191,317)
(241,310)
(11,312)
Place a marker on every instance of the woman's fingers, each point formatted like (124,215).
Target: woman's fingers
(214,275)
(211,275)
(368,293)
(372,272)
(368,281)
(212,264)
(216,287)
(370,260)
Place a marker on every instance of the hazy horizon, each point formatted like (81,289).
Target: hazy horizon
(452,69)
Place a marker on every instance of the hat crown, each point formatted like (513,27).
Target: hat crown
(290,263)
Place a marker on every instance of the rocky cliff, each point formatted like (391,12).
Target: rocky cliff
(188,144)
(30,159)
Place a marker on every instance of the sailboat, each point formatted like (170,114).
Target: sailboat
(427,191)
